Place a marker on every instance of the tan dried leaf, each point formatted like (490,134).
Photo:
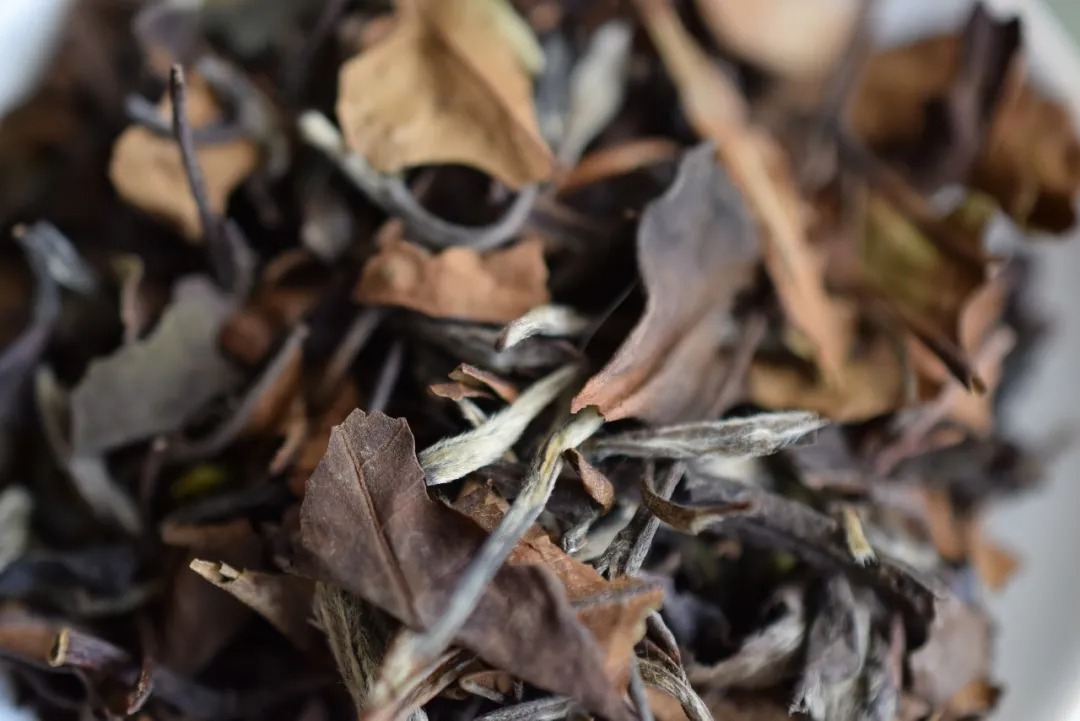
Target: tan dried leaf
(147,170)
(792,38)
(445,86)
(493,287)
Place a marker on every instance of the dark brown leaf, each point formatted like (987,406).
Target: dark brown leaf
(367,519)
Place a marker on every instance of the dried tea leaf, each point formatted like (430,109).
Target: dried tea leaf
(553,321)
(761,518)
(1031,161)
(455,457)
(493,287)
(792,38)
(471,375)
(759,435)
(148,172)
(15,507)
(595,483)
(945,665)
(445,86)
(614,611)
(994,563)
(284,601)
(756,163)
(764,657)
(696,250)
(838,642)
(367,519)
(597,88)
(873,384)
(616,160)
(928,285)
(1014,143)
(938,96)
(154,386)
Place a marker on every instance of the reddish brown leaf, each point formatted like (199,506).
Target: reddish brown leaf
(368,521)
(470,374)
(595,483)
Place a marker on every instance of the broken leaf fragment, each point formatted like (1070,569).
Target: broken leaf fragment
(446,86)
(367,520)
(148,172)
(493,287)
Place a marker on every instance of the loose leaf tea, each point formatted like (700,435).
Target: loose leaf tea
(514,359)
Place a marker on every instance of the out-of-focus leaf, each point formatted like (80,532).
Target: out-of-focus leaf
(927,284)
(597,87)
(367,519)
(156,385)
(959,106)
(937,98)
(1031,162)
(696,250)
(943,666)
(201,620)
(837,645)
(148,172)
(757,164)
(106,571)
(873,383)
(15,507)
(445,86)
(764,657)
(792,38)
(493,287)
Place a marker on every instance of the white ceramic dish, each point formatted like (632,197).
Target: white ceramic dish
(1038,654)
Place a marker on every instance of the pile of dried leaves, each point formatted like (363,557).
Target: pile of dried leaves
(525,359)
